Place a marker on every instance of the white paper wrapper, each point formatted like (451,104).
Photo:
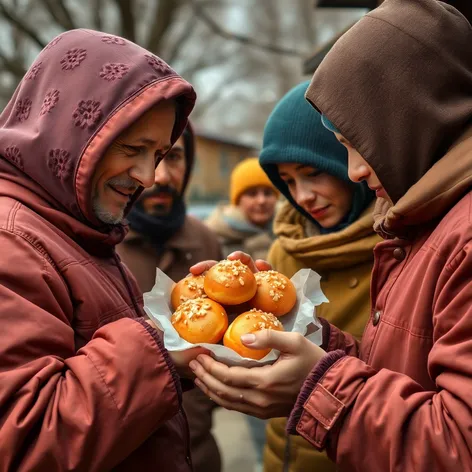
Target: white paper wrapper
(301,319)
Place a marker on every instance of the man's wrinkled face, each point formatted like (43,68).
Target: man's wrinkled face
(130,162)
(359,169)
(169,179)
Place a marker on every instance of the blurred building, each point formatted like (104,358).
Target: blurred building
(215,158)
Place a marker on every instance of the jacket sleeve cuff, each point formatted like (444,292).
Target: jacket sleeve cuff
(326,333)
(310,383)
(157,338)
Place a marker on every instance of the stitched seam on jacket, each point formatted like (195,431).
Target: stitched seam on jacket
(387,320)
(11,216)
(102,378)
(312,438)
(40,251)
(333,400)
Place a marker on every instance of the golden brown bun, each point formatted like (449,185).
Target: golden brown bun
(235,310)
(275,293)
(200,320)
(230,283)
(187,289)
(250,322)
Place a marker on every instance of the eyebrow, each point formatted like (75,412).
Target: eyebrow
(177,148)
(151,142)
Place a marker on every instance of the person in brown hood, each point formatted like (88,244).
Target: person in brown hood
(397,91)
(163,235)
(85,382)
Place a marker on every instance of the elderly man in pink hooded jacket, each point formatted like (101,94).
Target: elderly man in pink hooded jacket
(85,382)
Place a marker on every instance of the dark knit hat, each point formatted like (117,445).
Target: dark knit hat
(294,133)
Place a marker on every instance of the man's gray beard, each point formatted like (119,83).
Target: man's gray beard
(105,216)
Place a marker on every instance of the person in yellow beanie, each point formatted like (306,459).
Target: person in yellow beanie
(246,223)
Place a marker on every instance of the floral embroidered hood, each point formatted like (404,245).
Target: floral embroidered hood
(82,91)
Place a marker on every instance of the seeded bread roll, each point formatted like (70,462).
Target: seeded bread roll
(250,322)
(230,283)
(200,320)
(275,293)
(187,289)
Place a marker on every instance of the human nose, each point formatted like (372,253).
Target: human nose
(357,168)
(162,173)
(304,195)
(143,171)
(261,198)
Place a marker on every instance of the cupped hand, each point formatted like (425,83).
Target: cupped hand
(181,359)
(265,392)
(246,259)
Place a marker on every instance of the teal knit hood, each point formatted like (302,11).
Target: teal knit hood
(294,133)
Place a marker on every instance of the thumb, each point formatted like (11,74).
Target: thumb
(288,343)
(201,267)
(262,265)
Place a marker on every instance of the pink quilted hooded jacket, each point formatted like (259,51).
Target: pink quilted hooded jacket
(85,383)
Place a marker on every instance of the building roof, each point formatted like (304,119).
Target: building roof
(225,140)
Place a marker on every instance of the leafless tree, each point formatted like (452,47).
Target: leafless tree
(241,55)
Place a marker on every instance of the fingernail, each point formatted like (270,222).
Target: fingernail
(197,383)
(193,365)
(248,338)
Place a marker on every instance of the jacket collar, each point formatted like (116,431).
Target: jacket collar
(432,196)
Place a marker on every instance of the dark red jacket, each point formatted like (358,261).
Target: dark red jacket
(401,401)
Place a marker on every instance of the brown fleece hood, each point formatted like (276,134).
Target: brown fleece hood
(398,86)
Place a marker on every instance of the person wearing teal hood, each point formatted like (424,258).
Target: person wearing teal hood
(325,225)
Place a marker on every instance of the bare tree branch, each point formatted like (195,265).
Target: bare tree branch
(128,26)
(97,14)
(163,18)
(52,12)
(215,95)
(13,65)
(57,13)
(180,41)
(22,26)
(217,29)
(67,15)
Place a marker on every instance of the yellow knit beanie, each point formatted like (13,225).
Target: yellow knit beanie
(248,173)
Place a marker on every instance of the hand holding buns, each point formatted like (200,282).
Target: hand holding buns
(250,322)
(199,302)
